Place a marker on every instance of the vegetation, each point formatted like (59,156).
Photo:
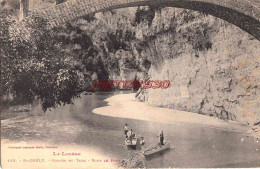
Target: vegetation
(56,65)
(36,65)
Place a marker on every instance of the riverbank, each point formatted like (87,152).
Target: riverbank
(126,106)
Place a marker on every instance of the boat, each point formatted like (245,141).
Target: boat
(131,143)
(156,149)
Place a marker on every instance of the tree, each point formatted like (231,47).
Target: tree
(35,65)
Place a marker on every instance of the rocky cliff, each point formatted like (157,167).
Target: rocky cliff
(213,67)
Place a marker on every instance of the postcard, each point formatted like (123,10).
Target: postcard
(89,84)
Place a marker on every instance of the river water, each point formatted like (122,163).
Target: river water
(191,145)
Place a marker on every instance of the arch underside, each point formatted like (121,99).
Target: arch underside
(241,13)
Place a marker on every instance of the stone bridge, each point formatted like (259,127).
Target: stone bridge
(243,13)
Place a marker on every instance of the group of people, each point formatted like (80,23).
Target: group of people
(130,134)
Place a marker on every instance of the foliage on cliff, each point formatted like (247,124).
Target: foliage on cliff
(56,65)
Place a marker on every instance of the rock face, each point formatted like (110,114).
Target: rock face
(221,79)
(124,73)
(136,161)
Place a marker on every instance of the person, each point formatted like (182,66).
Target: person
(142,141)
(126,130)
(129,134)
(132,135)
(161,138)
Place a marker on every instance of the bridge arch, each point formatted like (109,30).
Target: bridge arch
(242,13)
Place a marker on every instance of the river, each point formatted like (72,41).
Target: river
(191,145)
